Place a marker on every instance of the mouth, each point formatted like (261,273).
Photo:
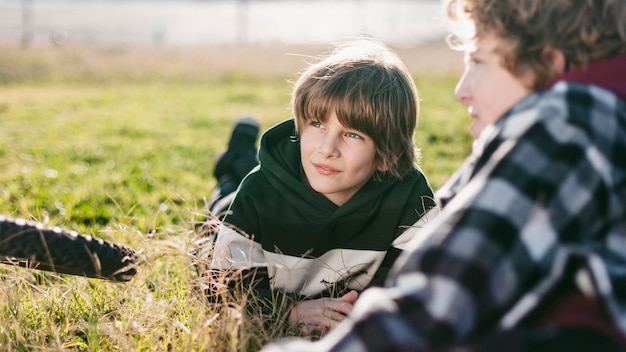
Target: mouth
(325,169)
(471,111)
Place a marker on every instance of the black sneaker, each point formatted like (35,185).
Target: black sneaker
(240,157)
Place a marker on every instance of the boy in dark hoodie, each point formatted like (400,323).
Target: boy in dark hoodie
(529,253)
(324,214)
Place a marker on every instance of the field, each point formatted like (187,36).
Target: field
(119,143)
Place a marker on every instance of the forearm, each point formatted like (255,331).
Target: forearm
(250,288)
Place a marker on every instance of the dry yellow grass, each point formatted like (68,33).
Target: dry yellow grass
(137,127)
(199,62)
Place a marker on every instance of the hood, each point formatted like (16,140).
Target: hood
(609,74)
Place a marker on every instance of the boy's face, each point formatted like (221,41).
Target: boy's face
(337,160)
(486,87)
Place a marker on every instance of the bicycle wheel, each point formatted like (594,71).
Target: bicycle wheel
(33,245)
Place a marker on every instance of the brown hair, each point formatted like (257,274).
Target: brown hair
(370,90)
(584,30)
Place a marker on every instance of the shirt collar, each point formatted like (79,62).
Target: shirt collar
(607,73)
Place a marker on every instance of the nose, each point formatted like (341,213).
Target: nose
(328,146)
(462,91)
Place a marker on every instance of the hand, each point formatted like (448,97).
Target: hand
(322,314)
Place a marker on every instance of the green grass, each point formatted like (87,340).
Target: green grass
(121,147)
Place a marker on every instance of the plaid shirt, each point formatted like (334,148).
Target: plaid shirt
(544,184)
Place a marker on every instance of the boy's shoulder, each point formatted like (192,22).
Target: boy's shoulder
(565,102)
(282,128)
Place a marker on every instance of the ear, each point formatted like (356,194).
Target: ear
(384,165)
(559,63)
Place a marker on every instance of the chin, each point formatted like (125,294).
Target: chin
(475,132)
(323,189)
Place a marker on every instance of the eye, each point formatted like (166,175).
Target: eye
(476,58)
(316,124)
(475,61)
(353,135)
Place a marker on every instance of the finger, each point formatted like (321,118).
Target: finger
(350,297)
(343,308)
(332,324)
(320,321)
(324,318)
(311,329)
(334,315)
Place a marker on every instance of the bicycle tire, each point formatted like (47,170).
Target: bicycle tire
(33,245)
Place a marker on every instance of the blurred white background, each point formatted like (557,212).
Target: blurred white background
(405,23)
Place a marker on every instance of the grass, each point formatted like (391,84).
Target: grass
(119,144)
